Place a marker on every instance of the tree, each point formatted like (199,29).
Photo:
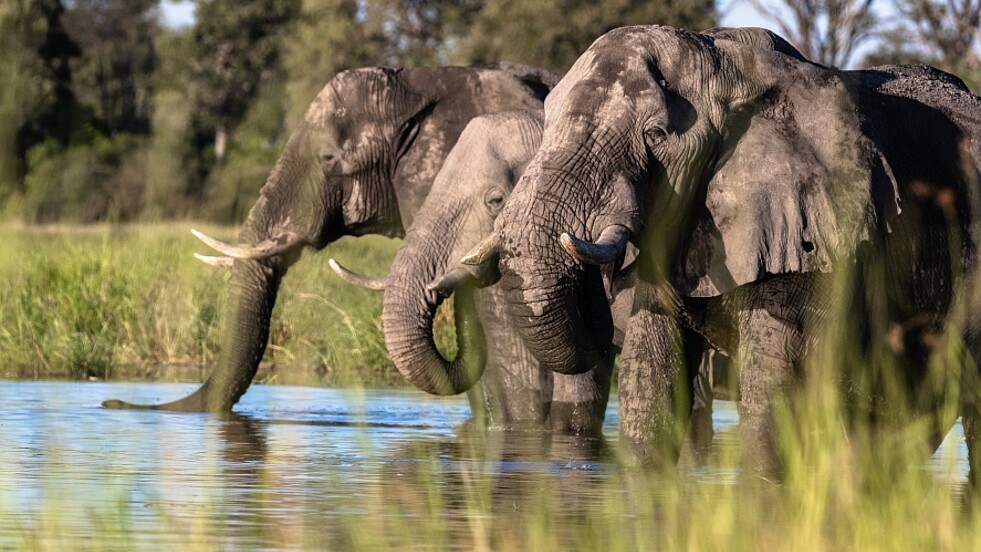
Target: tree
(825,31)
(238,46)
(418,32)
(36,101)
(553,33)
(326,38)
(113,74)
(947,30)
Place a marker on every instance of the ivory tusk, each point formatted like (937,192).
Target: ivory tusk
(611,244)
(483,251)
(366,282)
(446,284)
(262,250)
(219,262)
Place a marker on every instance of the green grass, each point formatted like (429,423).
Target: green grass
(132,302)
(81,302)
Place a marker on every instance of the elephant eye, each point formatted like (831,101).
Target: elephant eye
(655,135)
(333,161)
(329,155)
(494,201)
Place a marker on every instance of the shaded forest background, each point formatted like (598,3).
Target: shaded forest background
(107,115)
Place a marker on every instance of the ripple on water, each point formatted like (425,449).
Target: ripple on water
(295,464)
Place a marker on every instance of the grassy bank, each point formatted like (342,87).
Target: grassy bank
(131,302)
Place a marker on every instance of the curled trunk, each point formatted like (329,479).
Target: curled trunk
(407,316)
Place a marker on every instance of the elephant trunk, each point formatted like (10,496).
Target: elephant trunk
(556,301)
(252,293)
(407,316)
(566,324)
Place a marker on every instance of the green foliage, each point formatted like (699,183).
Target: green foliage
(326,38)
(67,314)
(100,179)
(112,76)
(34,95)
(99,300)
(552,34)
(419,32)
(237,44)
(253,148)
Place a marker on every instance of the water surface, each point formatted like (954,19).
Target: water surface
(300,467)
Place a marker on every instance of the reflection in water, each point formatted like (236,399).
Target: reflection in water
(314,468)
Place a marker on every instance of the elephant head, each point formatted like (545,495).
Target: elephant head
(634,124)
(360,162)
(466,197)
(655,137)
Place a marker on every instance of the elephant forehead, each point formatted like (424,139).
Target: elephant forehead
(325,107)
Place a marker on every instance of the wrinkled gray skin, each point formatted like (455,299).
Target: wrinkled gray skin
(459,212)
(748,178)
(361,162)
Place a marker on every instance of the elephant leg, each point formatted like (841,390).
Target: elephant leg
(655,389)
(771,340)
(579,401)
(700,430)
(514,391)
(970,405)
(971,420)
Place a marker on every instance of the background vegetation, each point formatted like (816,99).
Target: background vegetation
(108,116)
(127,302)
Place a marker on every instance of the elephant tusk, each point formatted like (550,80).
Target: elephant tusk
(263,250)
(218,262)
(610,245)
(483,251)
(447,283)
(355,279)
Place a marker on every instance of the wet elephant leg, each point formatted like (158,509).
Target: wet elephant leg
(700,430)
(654,384)
(579,401)
(971,420)
(771,340)
(514,392)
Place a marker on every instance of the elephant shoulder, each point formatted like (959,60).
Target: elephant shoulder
(536,78)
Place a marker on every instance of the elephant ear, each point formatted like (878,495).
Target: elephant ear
(800,189)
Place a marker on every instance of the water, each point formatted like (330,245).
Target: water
(296,468)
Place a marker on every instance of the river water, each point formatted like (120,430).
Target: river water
(296,467)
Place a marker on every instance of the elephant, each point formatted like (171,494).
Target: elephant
(760,189)
(361,162)
(467,194)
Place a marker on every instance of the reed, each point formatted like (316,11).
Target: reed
(131,302)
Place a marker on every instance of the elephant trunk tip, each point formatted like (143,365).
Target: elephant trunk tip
(199,401)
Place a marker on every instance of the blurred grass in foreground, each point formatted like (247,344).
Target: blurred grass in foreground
(80,302)
(131,302)
(494,492)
